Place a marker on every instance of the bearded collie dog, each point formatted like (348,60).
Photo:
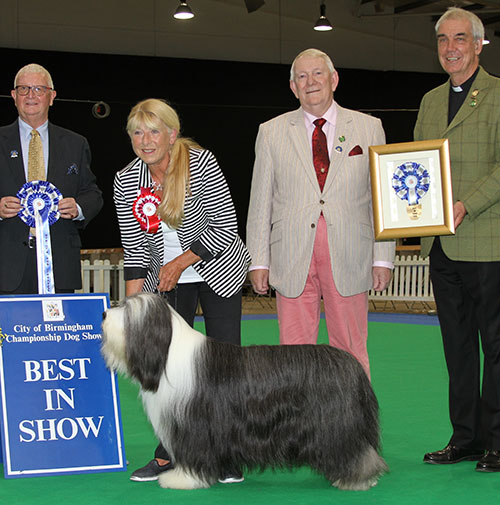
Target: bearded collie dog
(219,409)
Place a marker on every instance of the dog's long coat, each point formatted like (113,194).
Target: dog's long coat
(219,408)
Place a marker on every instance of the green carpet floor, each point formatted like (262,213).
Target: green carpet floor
(410,380)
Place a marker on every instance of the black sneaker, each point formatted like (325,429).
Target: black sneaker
(150,471)
(232,478)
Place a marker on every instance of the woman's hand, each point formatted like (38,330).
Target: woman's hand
(170,272)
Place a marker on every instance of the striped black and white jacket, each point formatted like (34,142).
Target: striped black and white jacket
(209,227)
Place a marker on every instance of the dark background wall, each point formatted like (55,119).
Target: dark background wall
(220,104)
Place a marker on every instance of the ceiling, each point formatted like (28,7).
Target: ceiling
(487,10)
(367,34)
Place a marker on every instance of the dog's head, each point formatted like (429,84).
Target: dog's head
(136,338)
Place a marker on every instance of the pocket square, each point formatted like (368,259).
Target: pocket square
(355,151)
(73,169)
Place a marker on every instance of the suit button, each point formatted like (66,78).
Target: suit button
(313,225)
(321,202)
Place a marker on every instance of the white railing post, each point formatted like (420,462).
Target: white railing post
(410,281)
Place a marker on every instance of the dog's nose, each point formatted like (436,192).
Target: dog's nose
(103,316)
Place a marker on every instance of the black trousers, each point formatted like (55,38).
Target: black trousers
(222,317)
(468,303)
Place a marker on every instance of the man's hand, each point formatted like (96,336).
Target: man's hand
(459,212)
(68,208)
(381,278)
(9,207)
(260,280)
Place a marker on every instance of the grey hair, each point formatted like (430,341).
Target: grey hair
(457,13)
(34,68)
(312,53)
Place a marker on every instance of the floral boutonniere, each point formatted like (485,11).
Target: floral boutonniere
(473,98)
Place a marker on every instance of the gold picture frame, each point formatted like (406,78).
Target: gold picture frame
(411,189)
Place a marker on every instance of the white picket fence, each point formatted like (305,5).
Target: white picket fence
(102,276)
(410,282)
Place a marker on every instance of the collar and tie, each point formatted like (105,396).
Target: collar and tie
(321,160)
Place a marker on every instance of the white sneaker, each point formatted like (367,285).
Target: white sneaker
(232,478)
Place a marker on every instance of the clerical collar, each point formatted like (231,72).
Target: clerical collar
(466,85)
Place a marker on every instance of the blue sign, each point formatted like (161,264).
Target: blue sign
(60,409)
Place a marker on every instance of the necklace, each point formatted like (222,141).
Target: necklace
(156,186)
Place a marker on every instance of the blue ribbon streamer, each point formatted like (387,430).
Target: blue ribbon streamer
(39,210)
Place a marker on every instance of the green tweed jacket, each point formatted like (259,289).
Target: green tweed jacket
(474,137)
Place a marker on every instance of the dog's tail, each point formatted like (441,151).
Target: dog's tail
(364,473)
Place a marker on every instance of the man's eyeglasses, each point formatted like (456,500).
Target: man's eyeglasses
(37,90)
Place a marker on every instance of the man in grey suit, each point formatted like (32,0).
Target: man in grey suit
(310,227)
(66,160)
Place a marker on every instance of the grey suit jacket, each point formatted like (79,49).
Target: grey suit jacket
(286,202)
(69,170)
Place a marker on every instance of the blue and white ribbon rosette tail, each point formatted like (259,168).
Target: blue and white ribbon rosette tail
(39,210)
(411,182)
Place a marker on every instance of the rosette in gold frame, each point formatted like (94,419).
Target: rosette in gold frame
(411,189)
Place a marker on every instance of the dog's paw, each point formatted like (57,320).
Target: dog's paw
(355,486)
(178,478)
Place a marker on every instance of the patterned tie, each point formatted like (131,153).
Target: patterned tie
(36,165)
(320,152)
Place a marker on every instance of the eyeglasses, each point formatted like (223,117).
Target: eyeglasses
(37,90)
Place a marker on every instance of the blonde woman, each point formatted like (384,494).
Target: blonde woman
(179,233)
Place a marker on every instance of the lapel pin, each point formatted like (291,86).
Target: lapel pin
(14,154)
(338,149)
(73,169)
(473,96)
(342,138)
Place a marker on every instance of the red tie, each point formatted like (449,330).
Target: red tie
(320,152)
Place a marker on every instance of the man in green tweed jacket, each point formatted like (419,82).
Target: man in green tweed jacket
(465,268)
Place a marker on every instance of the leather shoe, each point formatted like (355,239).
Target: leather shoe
(453,454)
(490,462)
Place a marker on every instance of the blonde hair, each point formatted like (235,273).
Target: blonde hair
(156,113)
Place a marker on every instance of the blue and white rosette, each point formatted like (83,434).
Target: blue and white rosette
(39,210)
(410,182)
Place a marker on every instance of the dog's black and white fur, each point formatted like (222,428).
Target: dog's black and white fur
(219,409)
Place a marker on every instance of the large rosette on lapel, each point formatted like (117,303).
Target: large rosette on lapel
(144,209)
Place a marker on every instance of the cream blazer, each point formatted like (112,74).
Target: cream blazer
(286,202)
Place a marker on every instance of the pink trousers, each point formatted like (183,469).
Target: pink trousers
(346,316)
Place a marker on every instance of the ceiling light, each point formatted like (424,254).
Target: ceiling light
(322,25)
(183,11)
